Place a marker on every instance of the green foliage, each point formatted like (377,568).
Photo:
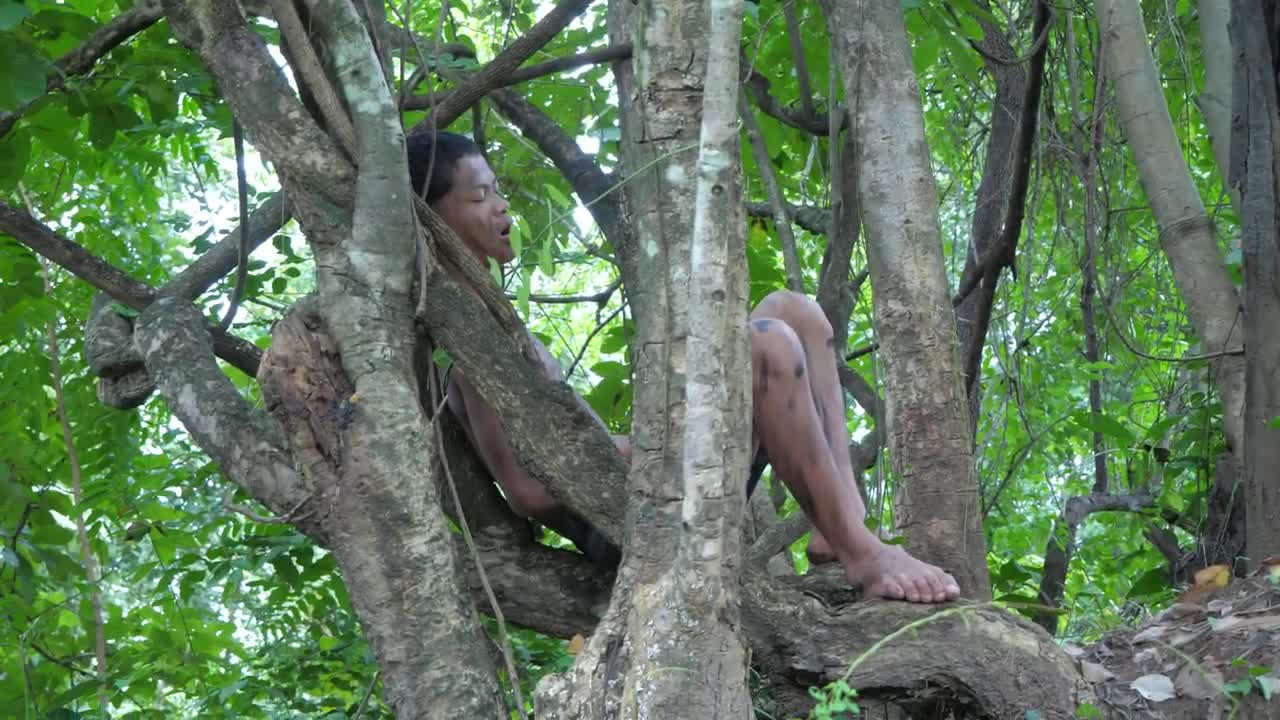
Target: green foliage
(209,614)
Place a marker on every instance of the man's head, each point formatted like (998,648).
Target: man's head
(463,190)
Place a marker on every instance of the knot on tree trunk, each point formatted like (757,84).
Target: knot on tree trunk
(123,382)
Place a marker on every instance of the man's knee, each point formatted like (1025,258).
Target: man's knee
(774,346)
(800,311)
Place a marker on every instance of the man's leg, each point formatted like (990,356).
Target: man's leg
(798,411)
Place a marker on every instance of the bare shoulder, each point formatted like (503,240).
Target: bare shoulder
(550,366)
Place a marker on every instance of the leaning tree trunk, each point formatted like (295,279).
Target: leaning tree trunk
(1187,236)
(926,410)
(1255,173)
(1185,230)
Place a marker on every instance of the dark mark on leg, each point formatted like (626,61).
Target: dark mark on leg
(831,342)
(799,370)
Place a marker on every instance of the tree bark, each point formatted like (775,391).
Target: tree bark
(672,625)
(994,187)
(926,412)
(1255,173)
(1215,97)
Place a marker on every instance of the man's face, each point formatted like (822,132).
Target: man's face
(475,210)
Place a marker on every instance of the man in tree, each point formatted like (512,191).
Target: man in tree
(798,408)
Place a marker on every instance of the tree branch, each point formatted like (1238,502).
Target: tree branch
(80,60)
(612,53)
(801,64)
(217,261)
(492,75)
(80,262)
(814,219)
(175,346)
(1057,555)
(758,87)
(293,34)
(584,175)
(600,297)
(790,258)
(310,164)
(1005,251)
(119,285)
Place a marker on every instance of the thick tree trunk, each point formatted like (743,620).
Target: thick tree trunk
(1185,230)
(1255,172)
(673,621)
(927,415)
(422,628)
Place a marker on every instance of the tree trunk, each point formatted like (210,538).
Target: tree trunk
(993,189)
(1185,230)
(673,621)
(422,628)
(926,412)
(1215,98)
(1255,172)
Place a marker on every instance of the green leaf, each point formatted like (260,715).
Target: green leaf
(15,153)
(1088,712)
(24,72)
(517,240)
(1106,425)
(165,546)
(1152,582)
(327,643)
(1239,687)
(556,196)
(12,13)
(522,294)
(495,271)
(68,619)
(546,258)
(102,127)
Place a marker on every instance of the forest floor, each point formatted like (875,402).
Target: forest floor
(1213,655)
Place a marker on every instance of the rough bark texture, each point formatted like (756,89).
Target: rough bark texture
(424,632)
(662,623)
(966,658)
(1185,230)
(392,543)
(926,414)
(1255,172)
(689,657)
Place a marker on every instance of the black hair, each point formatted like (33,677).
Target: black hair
(449,149)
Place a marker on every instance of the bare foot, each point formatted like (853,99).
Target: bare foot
(889,572)
(819,550)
